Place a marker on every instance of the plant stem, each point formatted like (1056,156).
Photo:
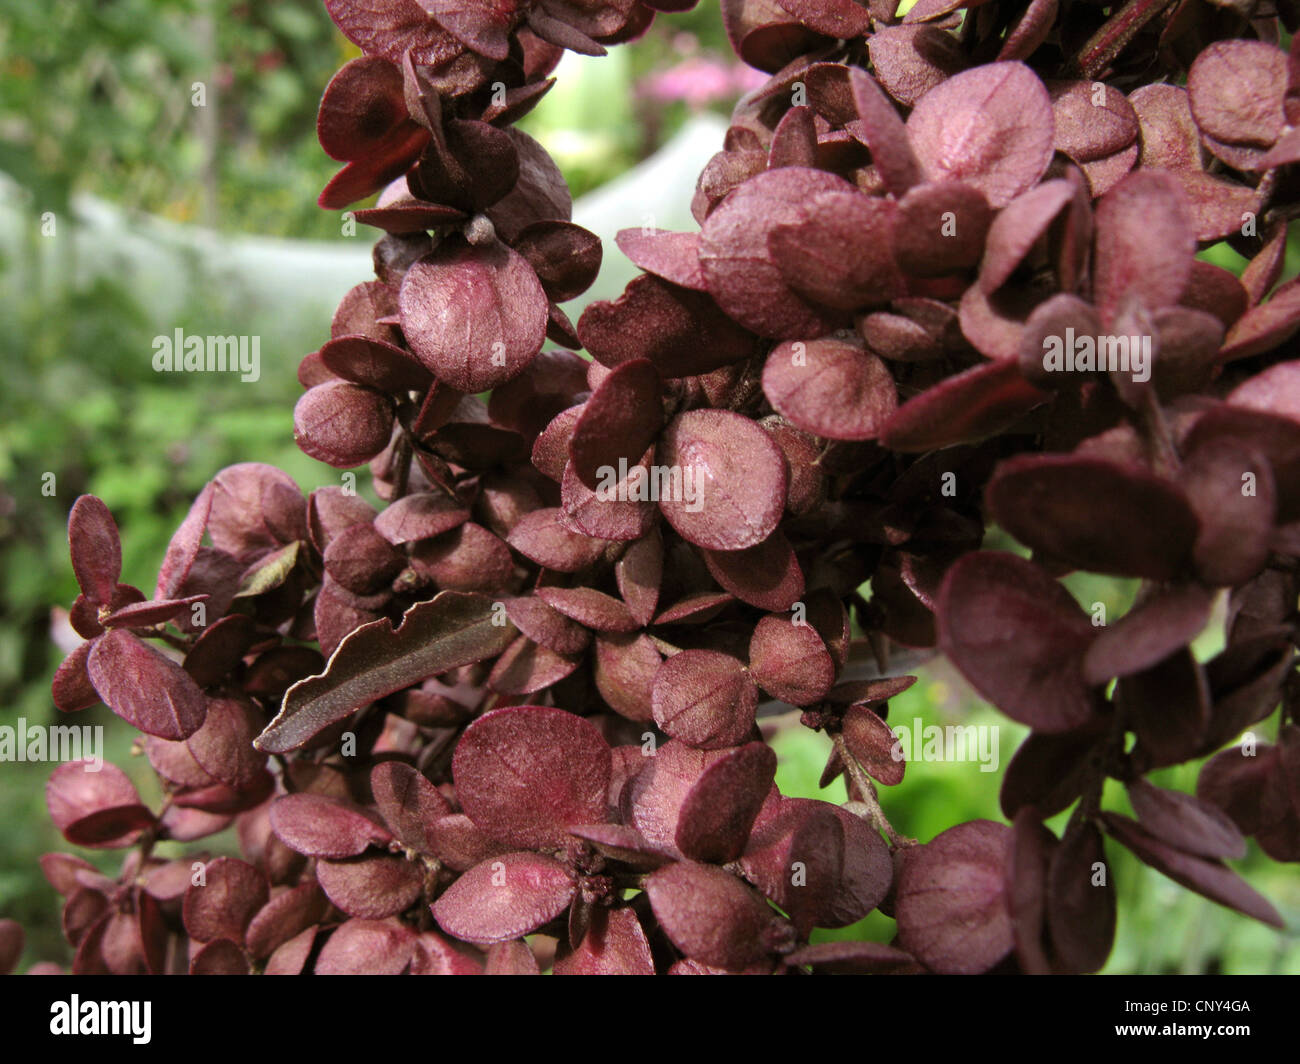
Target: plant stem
(875,814)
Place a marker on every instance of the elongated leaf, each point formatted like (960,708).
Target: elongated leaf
(452,629)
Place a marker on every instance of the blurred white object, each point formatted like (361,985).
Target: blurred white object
(274,276)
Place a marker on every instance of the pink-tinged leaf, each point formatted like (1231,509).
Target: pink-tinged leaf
(525,774)
(408,802)
(1049,503)
(695,609)
(618,422)
(766,576)
(829,387)
(284,917)
(1265,326)
(737,263)
(731,475)
(468,558)
(1018,228)
(219,957)
(1212,879)
(1080,901)
(110,828)
(790,661)
(965,408)
(1144,243)
(320,826)
(795,856)
(511,958)
(1236,89)
(718,812)
(656,793)
(65,873)
(223,904)
(1019,638)
(144,688)
(475,316)
(452,629)
(541,538)
(866,876)
(367,947)
(1168,619)
(842,19)
(1186,823)
(342,424)
(704,698)
(624,673)
(1085,130)
(940,228)
(837,253)
(361,105)
(545,625)
(615,944)
(401,216)
(620,509)
(682,332)
(422,515)
(525,667)
(710,915)
(434,955)
(1169,136)
(673,256)
(878,126)
(290,957)
(504,898)
(151,613)
(1030,30)
(951,902)
(371,887)
(991,127)
(100,806)
(95,548)
(591,608)
(223,746)
(909,61)
(184,546)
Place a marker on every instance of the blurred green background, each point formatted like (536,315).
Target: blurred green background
(126,212)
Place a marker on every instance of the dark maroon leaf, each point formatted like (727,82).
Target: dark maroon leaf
(1049,502)
(1080,901)
(951,902)
(1212,879)
(96,549)
(1018,637)
(710,915)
